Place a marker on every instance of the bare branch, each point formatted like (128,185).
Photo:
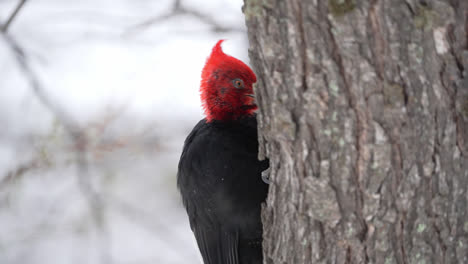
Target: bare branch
(209,20)
(80,140)
(95,202)
(37,88)
(13,15)
(179,10)
(18,172)
(149,222)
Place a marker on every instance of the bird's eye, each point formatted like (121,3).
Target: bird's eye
(238,83)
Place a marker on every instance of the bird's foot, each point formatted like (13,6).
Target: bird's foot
(266,176)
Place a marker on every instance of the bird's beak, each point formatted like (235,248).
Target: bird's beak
(250,95)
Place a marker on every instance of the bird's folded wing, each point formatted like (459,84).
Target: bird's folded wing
(217,246)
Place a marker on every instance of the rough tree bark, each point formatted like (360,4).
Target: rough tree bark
(364,117)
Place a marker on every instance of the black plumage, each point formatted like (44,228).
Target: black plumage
(219,178)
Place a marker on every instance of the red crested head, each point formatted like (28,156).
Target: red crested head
(226,87)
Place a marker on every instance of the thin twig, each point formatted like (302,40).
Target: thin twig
(179,10)
(13,15)
(18,172)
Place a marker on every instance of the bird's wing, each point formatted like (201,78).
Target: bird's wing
(200,190)
(216,246)
(217,241)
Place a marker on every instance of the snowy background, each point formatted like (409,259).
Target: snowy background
(96,98)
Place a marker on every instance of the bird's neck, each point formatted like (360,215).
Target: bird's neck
(228,114)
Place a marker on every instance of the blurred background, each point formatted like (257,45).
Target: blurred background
(96,99)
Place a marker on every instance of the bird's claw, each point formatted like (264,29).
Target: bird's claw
(266,176)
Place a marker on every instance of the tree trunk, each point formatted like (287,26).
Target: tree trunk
(364,117)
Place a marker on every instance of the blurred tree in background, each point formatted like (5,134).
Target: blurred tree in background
(96,98)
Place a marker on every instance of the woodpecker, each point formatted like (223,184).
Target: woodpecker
(219,174)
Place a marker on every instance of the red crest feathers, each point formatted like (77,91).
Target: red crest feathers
(221,99)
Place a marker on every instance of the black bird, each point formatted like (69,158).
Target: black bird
(219,173)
